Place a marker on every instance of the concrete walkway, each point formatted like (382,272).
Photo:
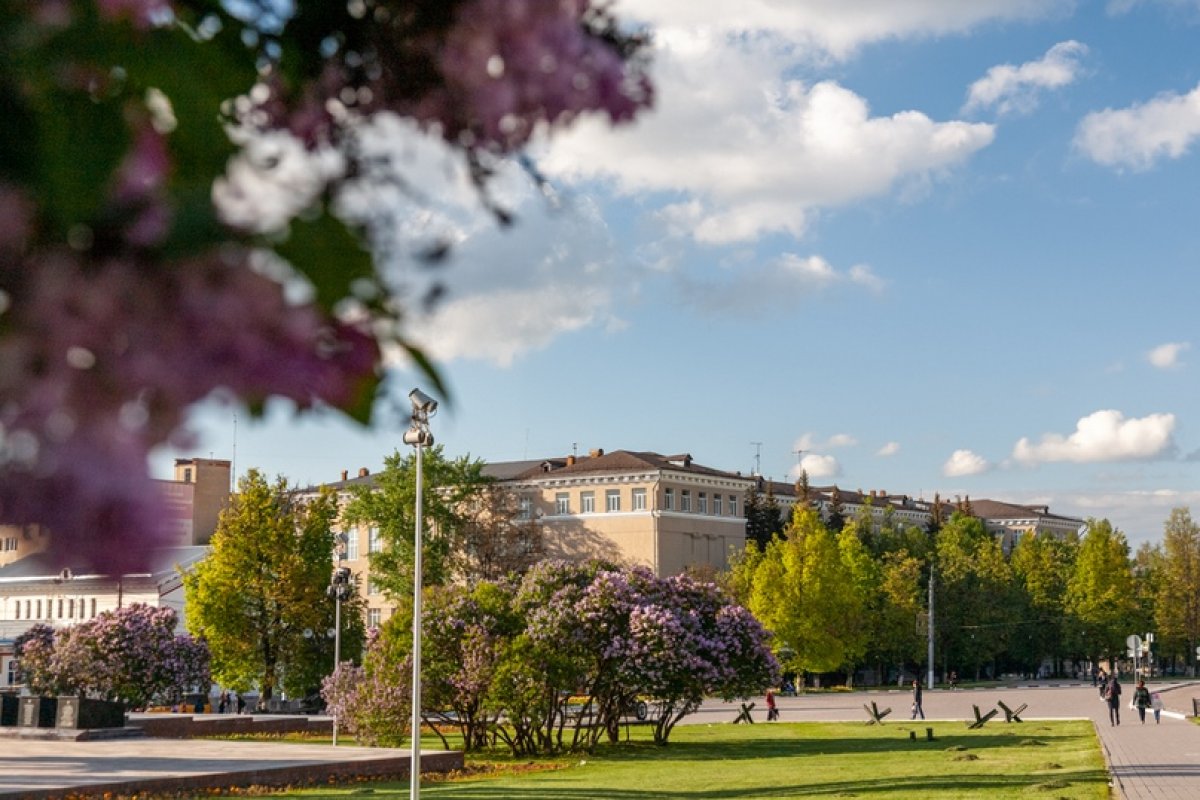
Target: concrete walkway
(1146,762)
(52,769)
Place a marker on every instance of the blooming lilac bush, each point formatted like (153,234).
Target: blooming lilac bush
(555,661)
(126,297)
(373,702)
(131,655)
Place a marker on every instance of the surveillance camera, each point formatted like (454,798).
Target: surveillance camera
(422,402)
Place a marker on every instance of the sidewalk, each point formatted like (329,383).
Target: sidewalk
(1153,762)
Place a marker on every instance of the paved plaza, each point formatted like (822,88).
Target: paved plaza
(1146,762)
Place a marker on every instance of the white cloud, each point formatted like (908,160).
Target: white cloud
(749,153)
(1166,356)
(888,450)
(964,462)
(839,27)
(809,442)
(1103,436)
(506,291)
(1016,89)
(775,284)
(817,466)
(1139,136)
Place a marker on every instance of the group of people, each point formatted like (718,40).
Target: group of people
(1110,692)
(230,703)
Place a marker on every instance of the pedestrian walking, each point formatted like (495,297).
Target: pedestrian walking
(1141,700)
(241,704)
(953,680)
(224,703)
(1112,695)
(772,711)
(916,706)
(1156,703)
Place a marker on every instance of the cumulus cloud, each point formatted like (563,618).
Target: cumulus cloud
(839,27)
(504,291)
(817,466)
(1166,356)
(964,462)
(750,153)
(809,442)
(1141,135)
(888,450)
(1016,89)
(777,283)
(1103,436)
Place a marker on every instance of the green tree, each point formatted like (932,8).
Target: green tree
(453,488)
(807,595)
(1042,567)
(1177,610)
(974,608)
(263,587)
(1100,594)
(764,520)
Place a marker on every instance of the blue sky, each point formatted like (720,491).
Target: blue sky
(936,246)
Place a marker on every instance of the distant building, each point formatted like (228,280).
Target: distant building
(41,585)
(667,513)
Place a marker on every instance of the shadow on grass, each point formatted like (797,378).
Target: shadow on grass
(945,786)
(789,745)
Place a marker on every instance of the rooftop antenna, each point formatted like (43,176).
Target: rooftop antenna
(757,457)
(575,449)
(799,459)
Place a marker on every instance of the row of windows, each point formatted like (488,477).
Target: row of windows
(612,502)
(66,609)
(374,543)
(10,543)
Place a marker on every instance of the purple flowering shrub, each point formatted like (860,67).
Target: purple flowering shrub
(554,662)
(371,702)
(130,655)
(126,295)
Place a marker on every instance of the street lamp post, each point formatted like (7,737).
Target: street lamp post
(418,435)
(339,589)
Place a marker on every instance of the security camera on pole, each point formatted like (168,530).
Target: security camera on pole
(418,435)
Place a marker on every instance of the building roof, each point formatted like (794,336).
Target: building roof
(599,461)
(997,510)
(49,564)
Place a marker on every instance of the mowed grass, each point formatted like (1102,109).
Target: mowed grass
(1059,759)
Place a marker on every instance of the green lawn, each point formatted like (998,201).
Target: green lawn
(778,760)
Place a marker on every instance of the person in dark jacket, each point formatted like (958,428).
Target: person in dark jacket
(1112,695)
(1141,700)
(916,707)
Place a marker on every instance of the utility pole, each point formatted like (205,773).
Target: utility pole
(930,653)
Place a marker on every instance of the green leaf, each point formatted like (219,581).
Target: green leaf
(326,252)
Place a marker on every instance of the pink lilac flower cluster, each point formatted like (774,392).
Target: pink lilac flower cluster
(372,703)
(132,655)
(123,301)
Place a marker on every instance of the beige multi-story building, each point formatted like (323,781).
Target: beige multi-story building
(667,513)
(1011,521)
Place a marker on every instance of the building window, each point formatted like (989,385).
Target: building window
(525,508)
(612,500)
(717,505)
(17,612)
(639,499)
(71,609)
(372,587)
(12,671)
(352,544)
(374,542)
(733,505)
(60,607)
(39,609)
(93,607)
(702,503)
(685,500)
(668,499)
(587,502)
(187,475)
(562,503)
(374,617)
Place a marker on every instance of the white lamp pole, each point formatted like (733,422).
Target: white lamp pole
(419,436)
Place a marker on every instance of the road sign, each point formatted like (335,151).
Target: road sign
(1133,641)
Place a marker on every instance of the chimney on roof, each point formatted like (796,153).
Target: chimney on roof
(345,474)
(571,460)
(599,451)
(363,472)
